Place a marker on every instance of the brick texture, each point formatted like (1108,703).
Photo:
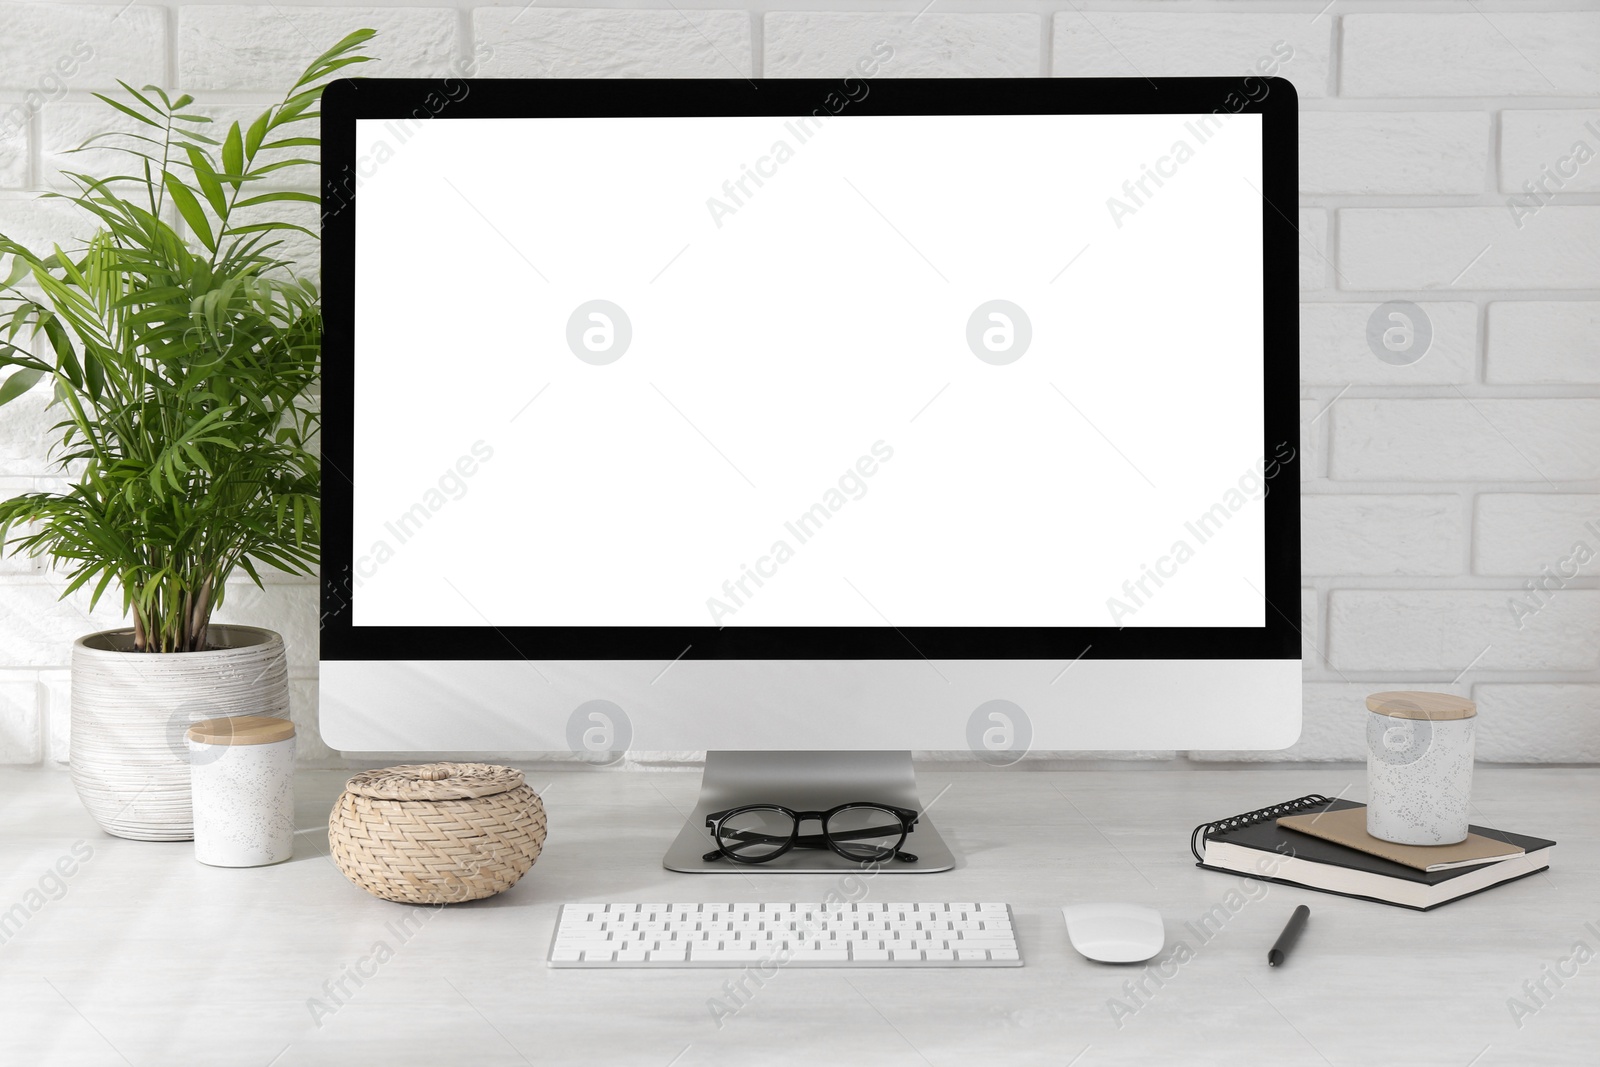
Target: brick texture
(834,44)
(266,48)
(1393,151)
(1559,150)
(1463,440)
(1335,349)
(1314,257)
(51,49)
(1528,723)
(20,736)
(1469,248)
(1540,342)
(1457,630)
(532,42)
(1483,53)
(1381,534)
(1104,44)
(1535,535)
(14,141)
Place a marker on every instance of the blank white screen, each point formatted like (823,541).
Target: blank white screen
(776,344)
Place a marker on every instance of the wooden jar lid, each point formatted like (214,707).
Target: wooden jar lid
(435,781)
(1411,704)
(241,730)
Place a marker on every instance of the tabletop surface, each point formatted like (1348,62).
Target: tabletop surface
(143,956)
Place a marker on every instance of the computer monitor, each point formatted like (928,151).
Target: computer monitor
(809,423)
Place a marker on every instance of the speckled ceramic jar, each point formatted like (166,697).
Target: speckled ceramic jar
(242,773)
(1419,767)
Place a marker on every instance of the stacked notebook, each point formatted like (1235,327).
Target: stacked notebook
(1323,844)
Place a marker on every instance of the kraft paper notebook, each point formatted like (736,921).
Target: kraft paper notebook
(1348,827)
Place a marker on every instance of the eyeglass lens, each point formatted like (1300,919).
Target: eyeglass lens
(866,833)
(756,833)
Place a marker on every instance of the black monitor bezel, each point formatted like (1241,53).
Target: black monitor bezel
(346,101)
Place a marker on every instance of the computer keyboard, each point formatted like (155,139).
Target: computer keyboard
(862,934)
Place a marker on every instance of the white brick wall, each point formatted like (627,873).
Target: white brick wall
(1521,534)
(532,42)
(1102,44)
(1469,247)
(1334,351)
(1314,258)
(1434,492)
(1418,152)
(1540,342)
(265,48)
(1472,53)
(824,45)
(82,46)
(1381,534)
(20,738)
(1466,439)
(1533,141)
(1456,630)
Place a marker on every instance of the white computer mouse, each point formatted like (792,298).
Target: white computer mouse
(1115,933)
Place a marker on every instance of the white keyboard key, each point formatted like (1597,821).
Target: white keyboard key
(865,954)
(1004,954)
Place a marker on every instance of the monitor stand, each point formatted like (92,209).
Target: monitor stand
(806,781)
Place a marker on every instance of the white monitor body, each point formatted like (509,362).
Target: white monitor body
(500,706)
(1042,504)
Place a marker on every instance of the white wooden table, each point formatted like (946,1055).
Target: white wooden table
(143,956)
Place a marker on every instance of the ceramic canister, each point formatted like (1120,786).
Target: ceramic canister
(1419,767)
(242,773)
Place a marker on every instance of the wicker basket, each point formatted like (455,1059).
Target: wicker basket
(436,833)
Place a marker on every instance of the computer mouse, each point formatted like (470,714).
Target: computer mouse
(1115,933)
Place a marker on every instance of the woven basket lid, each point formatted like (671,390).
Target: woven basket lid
(435,781)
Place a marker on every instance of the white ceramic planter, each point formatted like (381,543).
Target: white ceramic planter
(130,710)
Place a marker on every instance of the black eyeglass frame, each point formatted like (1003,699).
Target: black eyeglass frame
(908,822)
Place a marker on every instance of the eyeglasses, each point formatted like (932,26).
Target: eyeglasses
(858,831)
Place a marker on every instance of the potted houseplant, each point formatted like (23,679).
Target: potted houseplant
(184,369)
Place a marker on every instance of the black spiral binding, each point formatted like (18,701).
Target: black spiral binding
(1250,818)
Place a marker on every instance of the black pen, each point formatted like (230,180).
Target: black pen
(1291,933)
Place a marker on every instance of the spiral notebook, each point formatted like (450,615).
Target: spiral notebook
(1254,845)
